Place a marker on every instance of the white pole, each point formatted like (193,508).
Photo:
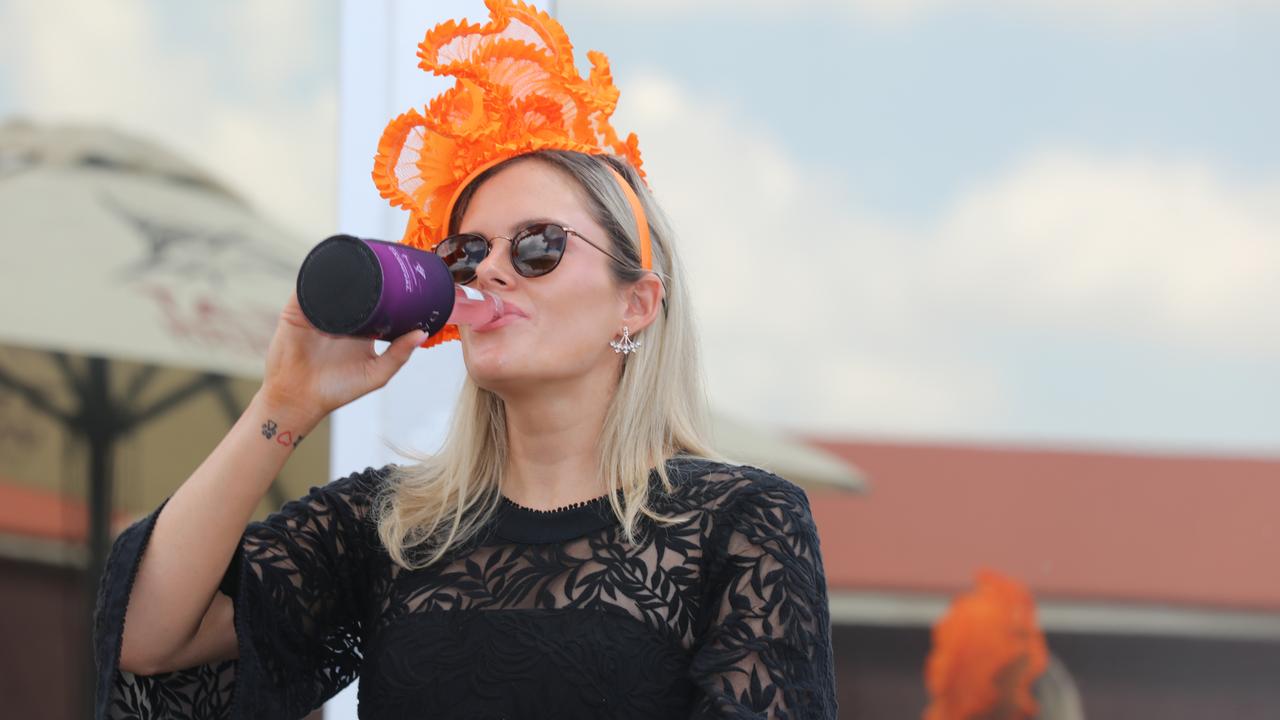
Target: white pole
(379,79)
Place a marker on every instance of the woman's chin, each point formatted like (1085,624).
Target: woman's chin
(491,366)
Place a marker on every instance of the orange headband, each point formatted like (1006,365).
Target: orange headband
(516,91)
(642,222)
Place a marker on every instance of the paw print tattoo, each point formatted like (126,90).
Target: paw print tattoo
(272,430)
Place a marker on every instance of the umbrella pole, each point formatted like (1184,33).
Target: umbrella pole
(100,428)
(102,423)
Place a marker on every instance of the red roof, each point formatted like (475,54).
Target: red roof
(1072,525)
(1075,525)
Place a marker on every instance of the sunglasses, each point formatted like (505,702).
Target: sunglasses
(535,251)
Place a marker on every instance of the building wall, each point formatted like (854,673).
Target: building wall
(44,645)
(43,626)
(880,674)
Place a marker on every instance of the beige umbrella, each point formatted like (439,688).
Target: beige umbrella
(116,248)
(139,296)
(150,283)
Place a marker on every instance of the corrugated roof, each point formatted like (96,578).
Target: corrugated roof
(1074,525)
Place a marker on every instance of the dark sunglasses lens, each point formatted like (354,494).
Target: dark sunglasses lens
(539,249)
(463,254)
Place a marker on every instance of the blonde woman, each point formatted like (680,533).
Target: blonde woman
(575,550)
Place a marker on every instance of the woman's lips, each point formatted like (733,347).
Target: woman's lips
(510,313)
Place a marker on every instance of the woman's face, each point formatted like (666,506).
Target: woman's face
(571,313)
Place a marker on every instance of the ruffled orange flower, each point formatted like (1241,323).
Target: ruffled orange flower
(517,91)
(987,652)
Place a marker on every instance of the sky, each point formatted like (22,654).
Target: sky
(245,89)
(1043,222)
(1052,222)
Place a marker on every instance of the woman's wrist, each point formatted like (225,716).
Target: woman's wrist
(282,421)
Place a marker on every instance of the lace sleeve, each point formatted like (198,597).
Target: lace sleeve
(296,582)
(766,651)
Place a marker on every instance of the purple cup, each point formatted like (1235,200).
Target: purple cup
(374,288)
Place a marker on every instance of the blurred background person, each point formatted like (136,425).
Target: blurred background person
(989,659)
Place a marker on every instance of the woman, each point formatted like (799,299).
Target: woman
(574,550)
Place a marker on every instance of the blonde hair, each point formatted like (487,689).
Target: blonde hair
(658,410)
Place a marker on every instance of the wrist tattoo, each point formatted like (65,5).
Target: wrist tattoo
(271,430)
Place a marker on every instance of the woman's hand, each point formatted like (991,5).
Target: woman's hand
(314,373)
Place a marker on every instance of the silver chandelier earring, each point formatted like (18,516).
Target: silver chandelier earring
(626,345)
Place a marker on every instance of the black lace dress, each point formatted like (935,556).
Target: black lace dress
(545,615)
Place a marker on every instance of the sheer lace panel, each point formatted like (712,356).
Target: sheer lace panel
(298,580)
(654,582)
(307,587)
(766,651)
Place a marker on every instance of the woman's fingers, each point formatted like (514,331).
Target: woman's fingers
(396,355)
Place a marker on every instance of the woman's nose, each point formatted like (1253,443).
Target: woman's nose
(495,268)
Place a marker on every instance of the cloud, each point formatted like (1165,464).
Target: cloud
(803,300)
(1159,248)
(234,101)
(821,314)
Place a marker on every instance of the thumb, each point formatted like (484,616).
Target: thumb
(397,354)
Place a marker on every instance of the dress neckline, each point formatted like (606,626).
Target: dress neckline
(508,501)
(521,524)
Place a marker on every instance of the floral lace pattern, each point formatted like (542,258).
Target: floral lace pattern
(723,614)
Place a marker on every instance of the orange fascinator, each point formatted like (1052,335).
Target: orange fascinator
(987,652)
(517,92)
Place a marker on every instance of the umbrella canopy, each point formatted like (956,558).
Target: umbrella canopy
(134,287)
(116,248)
(150,286)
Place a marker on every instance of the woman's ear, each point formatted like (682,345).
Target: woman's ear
(644,302)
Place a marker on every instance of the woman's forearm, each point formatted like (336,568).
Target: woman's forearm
(198,531)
